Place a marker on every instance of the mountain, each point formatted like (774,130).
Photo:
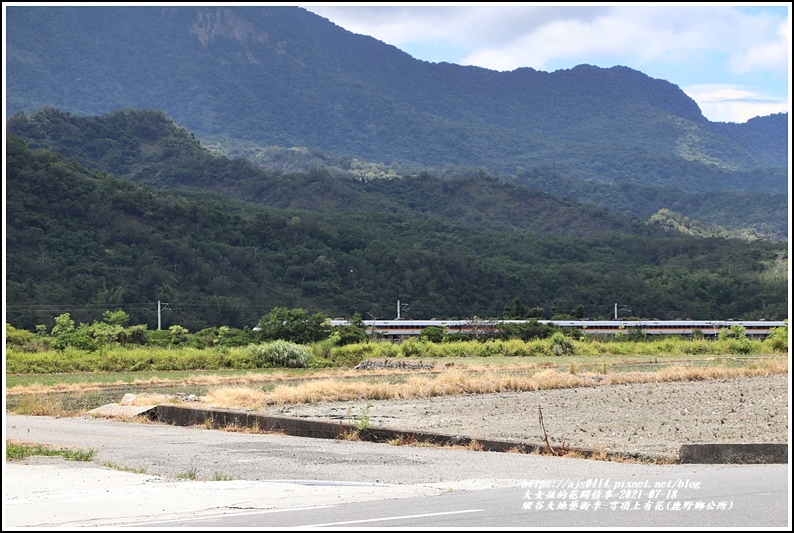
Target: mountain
(282,76)
(228,160)
(224,242)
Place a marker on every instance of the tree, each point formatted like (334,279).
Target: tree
(104,334)
(736,331)
(531,329)
(64,325)
(178,334)
(353,333)
(517,312)
(433,334)
(116,318)
(294,325)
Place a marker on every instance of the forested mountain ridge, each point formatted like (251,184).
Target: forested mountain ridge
(281,76)
(83,241)
(148,147)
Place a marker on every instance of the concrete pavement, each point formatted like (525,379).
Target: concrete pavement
(47,493)
(271,473)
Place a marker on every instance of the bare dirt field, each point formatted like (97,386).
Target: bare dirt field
(646,419)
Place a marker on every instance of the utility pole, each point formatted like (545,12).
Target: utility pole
(622,307)
(160,307)
(374,318)
(400,308)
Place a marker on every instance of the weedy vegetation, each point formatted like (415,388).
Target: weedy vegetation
(20,450)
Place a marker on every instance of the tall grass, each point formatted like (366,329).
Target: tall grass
(279,353)
(41,406)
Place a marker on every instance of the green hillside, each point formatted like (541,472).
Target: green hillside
(148,147)
(235,241)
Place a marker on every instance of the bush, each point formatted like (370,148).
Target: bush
(412,347)
(205,338)
(741,346)
(698,347)
(352,354)
(778,340)
(160,338)
(559,344)
(434,334)
(282,354)
(79,339)
(24,340)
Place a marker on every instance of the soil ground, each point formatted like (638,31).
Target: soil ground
(645,419)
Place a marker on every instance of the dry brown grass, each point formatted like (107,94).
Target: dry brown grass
(232,392)
(475,446)
(403,440)
(152,399)
(44,406)
(202,380)
(457,381)
(688,373)
(236,397)
(351,435)
(254,429)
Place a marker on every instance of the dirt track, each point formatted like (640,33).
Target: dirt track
(650,419)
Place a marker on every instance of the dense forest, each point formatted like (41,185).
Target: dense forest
(265,82)
(149,148)
(223,242)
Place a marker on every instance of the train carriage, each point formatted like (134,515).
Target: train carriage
(402,329)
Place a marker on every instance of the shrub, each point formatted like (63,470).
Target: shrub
(25,340)
(133,335)
(80,339)
(559,344)
(412,348)
(736,331)
(697,347)
(434,334)
(204,338)
(158,338)
(281,353)
(777,340)
(741,346)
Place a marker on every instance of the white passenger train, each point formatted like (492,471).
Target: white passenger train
(399,329)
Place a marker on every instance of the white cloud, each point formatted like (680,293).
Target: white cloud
(469,27)
(506,37)
(686,44)
(642,35)
(773,55)
(729,103)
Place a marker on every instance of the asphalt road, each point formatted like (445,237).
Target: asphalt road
(139,478)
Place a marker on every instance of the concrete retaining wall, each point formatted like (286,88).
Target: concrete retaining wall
(299,427)
(719,453)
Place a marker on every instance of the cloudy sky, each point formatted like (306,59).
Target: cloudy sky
(733,61)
